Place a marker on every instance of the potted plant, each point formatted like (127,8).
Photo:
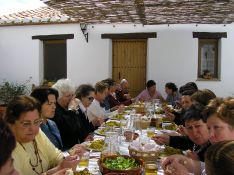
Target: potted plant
(48,83)
(10,90)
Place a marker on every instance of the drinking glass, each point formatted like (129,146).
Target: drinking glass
(84,160)
(151,167)
(150,132)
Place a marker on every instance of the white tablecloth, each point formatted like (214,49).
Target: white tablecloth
(94,156)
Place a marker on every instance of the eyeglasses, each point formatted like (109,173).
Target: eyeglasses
(27,124)
(90,98)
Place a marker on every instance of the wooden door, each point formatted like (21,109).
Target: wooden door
(129,62)
(55,59)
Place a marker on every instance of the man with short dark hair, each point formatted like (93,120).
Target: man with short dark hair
(150,93)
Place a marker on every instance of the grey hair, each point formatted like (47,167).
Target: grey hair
(64,86)
(123,81)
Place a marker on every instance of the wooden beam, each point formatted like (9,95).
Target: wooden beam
(209,35)
(129,35)
(54,37)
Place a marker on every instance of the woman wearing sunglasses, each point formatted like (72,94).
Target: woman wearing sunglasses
(34,153)
(85,94)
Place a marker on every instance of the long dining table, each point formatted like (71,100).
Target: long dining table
(123,150)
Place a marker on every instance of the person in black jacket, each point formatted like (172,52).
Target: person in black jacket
(66,119)
(197,139)
(85,93)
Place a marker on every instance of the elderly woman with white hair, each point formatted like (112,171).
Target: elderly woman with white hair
(66,119)
(122,93)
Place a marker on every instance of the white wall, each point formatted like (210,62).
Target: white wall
(172,56)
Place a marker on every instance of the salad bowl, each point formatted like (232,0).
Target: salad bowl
(121,164)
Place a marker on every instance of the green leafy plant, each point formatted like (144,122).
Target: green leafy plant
(10,90)
(48,83)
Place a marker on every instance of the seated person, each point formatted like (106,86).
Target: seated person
(111,96)
(172,94)
(188,98)
(7,145)
(188,86)
(150,93)
(219,160)
(47,98)
(34,153)
(85,94)
(220,121)
(122,93)
(69,125)
(185,103)
(203,97)
(111,103)
(97,113)
(197,132)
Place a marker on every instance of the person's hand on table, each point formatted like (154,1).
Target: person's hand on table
(169,116)
(97,121)
(127,96)
(176,168)
(192,155)
(161,139)
(77,149)
(69,162)
(121,108)
(89,137)
(192,166)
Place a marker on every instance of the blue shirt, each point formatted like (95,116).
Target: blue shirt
(51,131)
(172,99)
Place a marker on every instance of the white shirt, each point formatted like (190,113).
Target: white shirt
(95,110)
(83,109)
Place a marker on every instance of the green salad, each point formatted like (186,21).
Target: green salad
(121,163)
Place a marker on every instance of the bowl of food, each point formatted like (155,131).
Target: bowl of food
(121,164)
(168,151)
(148,151)
(169,126)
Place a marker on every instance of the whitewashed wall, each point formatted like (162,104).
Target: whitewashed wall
(172,56)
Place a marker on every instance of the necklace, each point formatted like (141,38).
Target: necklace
(38,158)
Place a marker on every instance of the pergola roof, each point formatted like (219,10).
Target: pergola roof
(147,12)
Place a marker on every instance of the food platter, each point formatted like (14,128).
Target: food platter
(118,117)
(95,145)
(112,123)
(83,172)
(101,131)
